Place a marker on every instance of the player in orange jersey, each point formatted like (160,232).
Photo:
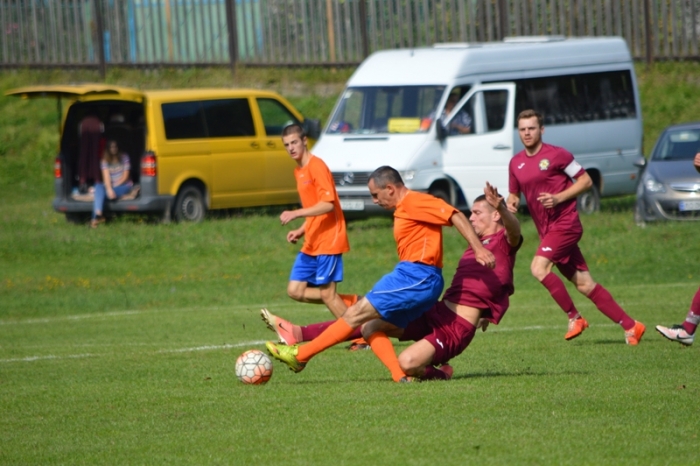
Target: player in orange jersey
(411,288)
(319,265)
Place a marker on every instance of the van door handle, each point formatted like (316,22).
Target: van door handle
(271,144)
(501,147)
(255,145)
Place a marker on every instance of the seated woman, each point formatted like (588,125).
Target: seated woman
(116,167)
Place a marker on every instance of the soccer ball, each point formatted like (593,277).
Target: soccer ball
(253,367)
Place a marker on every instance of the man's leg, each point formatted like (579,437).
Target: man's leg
(684,333)
(606,304)
(377,333)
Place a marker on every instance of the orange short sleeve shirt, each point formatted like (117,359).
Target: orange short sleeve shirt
(418,222)
(325,234)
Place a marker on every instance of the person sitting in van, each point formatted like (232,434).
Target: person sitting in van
(116,168)
(460,124)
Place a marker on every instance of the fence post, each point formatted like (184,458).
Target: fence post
(100,38)
(649,34)
(502,6)
(232,34)
(363,28)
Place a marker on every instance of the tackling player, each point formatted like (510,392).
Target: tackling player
(544,173)
(411,288)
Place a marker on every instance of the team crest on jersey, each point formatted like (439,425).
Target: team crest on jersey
(486,241)
(544,164)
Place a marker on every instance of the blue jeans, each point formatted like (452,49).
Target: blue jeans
(101,194)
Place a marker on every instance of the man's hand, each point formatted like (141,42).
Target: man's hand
(294,235)
(483,324)
(492,196)
(513,202)
(696,162)
(549,201)
(484,257)
(287,216)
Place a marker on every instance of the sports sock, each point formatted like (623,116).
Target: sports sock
(606,304)
(433,373)
(693,318)
(309,332)
(335,333)
(558,291)
(348,299)
(382,347)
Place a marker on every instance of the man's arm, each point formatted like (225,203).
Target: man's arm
(513,202)
(320,208)
(509,221)
(696,162)
(482,255)
(581,184)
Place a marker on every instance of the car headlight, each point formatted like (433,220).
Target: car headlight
(408,175)
(652,185)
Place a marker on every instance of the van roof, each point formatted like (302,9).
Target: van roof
(442,63)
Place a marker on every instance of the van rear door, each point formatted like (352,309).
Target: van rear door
(483,154)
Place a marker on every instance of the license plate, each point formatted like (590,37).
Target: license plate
(689,205)
(352,205)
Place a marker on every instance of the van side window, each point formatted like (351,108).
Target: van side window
(579,97)
(228,118)
(496,103)
(184,120)
(275,116)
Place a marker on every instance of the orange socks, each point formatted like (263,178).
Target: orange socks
(382,347)
(337,332)
(348,299)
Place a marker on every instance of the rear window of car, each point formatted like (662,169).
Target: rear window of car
(208,119)
(678,145)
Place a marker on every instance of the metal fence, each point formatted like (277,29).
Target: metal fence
(101,33)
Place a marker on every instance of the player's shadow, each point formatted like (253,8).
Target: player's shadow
(529,373)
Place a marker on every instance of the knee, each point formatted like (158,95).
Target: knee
(585,288)
(295,293)
(538,271)
(408,363)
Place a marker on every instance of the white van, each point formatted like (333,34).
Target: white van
(585,88)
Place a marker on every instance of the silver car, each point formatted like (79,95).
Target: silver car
(669,188)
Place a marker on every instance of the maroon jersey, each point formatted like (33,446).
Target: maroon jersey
(548,171)
(477,286)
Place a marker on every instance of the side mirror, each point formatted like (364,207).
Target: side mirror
(312,126)
(440,129)
(640,163)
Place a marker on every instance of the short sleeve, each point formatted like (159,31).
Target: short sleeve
(323,181)
(513,184)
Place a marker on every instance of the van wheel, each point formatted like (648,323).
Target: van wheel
(589,202)
(189,205)
(441,194)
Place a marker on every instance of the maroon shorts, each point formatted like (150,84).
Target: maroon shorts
(561,247)
(449,333)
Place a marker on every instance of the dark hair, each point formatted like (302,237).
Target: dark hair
(385,175)
(107,155)
(294,128)
(529,113)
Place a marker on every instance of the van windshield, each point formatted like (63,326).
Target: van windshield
(394,109)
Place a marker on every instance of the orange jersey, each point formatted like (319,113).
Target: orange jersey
(418,222)
(325,234)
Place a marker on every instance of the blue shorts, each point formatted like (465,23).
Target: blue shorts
(317,270)
(407,292)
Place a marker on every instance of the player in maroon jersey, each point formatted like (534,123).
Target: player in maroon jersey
(550,179)
(476,297)
(685,333)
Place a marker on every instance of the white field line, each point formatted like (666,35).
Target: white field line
(177,350)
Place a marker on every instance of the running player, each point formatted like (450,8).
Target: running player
(415,283)
(544,173)
(476,295)
(685,332)
(319,265)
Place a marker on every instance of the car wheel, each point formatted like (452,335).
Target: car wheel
(639,213)
(589,202)
(189,205)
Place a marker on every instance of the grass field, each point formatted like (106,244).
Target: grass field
(117,345)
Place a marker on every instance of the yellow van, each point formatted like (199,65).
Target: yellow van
(190,149)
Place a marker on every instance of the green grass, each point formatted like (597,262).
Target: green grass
(117,345)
